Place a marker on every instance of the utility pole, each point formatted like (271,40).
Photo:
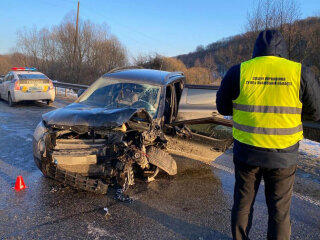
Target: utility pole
(76,37)
(77,26)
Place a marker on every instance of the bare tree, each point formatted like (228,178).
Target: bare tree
(197,63)
(268,14)
(53,50)
(4,64)
(200,48)
(290,30)
(211,65)
(28,43)
(276,14)
(312,50)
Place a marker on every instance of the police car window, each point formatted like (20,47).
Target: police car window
(6,78)
(32,76)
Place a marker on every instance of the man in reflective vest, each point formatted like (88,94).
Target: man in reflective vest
(266,97)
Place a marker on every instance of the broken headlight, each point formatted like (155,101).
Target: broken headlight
(38,141)
(40,131)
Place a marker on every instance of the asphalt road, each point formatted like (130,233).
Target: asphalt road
(195,204)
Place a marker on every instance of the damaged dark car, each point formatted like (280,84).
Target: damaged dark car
(115,131)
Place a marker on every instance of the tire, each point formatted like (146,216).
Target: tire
(162,159)
(10,102)
(49,102)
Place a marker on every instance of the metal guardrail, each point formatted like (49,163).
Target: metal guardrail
(68,86)
(81,86)
(195,86)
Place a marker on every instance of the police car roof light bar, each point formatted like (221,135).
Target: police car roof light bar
(23,69)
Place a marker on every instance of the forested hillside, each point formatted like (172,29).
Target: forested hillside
(303,43)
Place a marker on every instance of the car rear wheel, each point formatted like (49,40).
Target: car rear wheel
(10,102)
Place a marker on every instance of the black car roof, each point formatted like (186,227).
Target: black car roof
(145,75)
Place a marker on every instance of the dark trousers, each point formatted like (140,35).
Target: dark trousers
(278,192)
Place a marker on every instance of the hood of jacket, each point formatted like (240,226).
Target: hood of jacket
(270,43)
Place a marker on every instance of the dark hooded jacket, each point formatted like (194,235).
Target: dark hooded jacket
(269,43)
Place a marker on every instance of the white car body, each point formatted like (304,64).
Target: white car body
(19,86)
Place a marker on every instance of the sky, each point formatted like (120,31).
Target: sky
(166,27)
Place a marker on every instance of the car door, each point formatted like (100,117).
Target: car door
(6,85)
(198,105)
(3,86)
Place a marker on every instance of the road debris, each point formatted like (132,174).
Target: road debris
(120,196)
(107,214)
(58,188)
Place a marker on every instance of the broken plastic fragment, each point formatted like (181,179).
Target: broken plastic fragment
(120,196)
(54,189)
(107,214)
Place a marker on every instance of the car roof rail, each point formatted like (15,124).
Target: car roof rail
(117,69)
(173,74)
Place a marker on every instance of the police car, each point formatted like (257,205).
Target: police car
(26,84)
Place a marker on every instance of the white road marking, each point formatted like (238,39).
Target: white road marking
(221,167)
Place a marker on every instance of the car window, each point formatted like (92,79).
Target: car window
(178,90)
(114,94)
(32,76)
(168,108)
(6,77)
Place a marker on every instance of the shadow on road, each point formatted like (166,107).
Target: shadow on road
(179,226)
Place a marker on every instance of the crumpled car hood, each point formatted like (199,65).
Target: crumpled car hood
(80,115)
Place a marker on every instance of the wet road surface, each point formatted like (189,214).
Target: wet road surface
(195,204)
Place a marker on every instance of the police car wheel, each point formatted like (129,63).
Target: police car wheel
(10,102)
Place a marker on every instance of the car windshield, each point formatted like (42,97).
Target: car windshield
(112,94)
(32,76)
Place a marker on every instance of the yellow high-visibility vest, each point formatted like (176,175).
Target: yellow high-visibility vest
(267,112)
